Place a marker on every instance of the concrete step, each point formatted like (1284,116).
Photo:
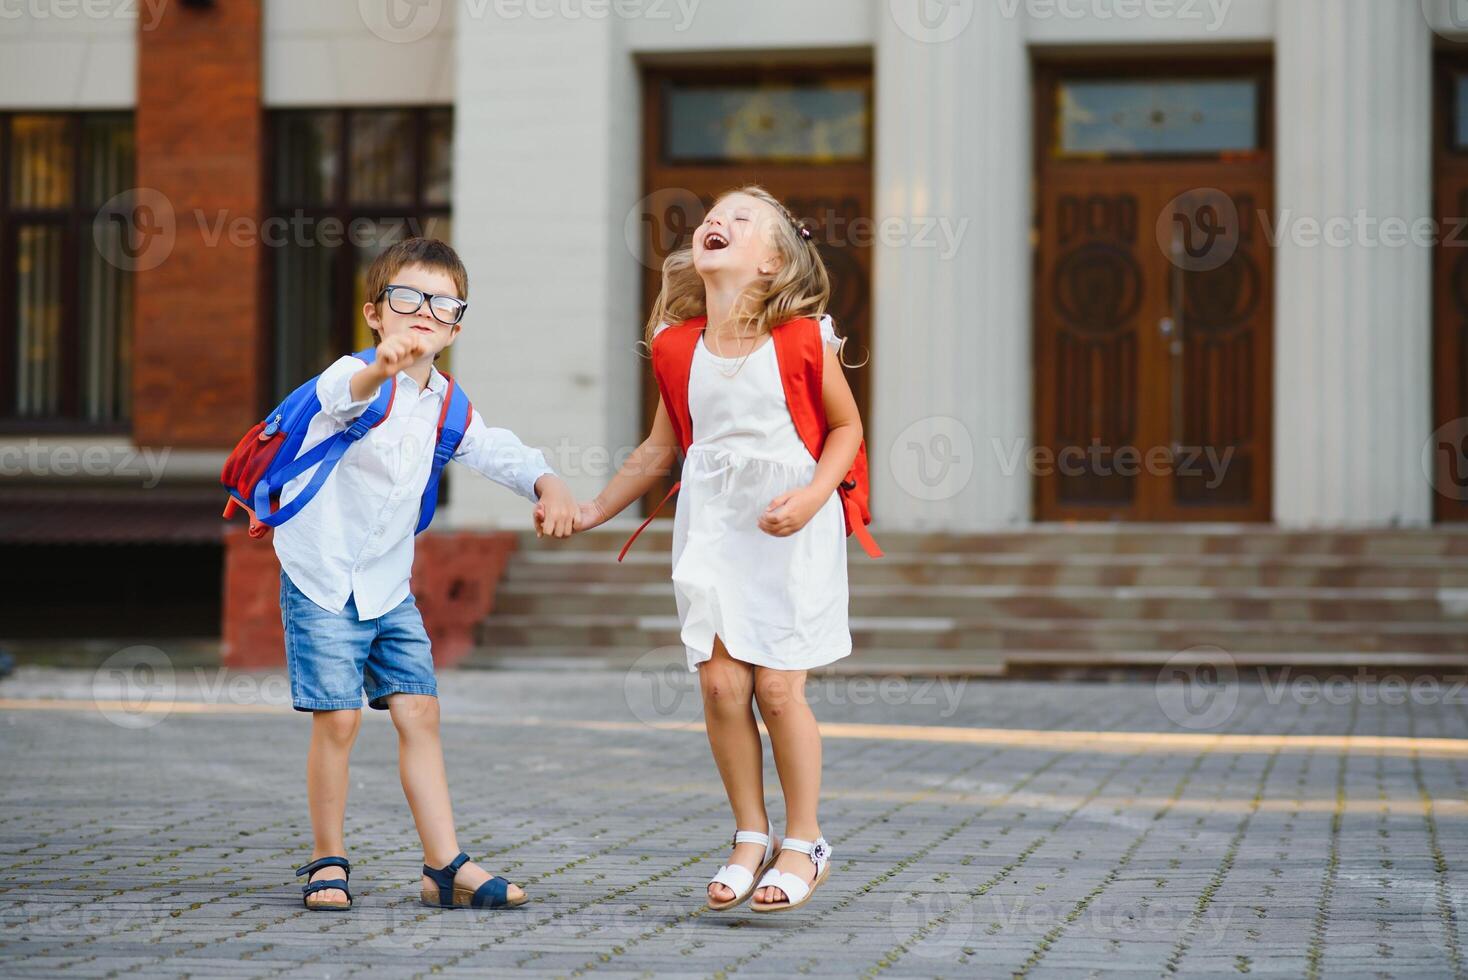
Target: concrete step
(552,599)
(949,633)
(939,662)
(1068,540)
(1222,571)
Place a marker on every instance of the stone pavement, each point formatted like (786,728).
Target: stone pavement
(151,818)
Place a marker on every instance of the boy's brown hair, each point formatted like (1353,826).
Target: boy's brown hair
(428,252)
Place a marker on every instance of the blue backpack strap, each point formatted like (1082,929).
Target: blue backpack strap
(452,424)
(324,456)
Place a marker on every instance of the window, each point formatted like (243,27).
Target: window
(65,289)
(345,184)
(807,123)
(1158,117)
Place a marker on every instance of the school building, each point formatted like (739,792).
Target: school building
(1147,261)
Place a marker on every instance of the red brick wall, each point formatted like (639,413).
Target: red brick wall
(195,369)
(454,579)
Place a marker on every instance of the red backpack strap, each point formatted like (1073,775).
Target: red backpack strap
(672,364)
(800,351)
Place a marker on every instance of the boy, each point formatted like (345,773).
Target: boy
(351,623)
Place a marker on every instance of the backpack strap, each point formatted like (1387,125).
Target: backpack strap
(324,456)
(453,422)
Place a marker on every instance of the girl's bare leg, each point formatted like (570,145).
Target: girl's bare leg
(796,740)
(728,695)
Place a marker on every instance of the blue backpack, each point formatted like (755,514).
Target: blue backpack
(268,457)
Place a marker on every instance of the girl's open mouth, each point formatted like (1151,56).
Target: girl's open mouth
(714,242)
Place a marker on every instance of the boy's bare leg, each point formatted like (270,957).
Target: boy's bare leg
(796,740)
(728,712)
(426,785)
(332,736)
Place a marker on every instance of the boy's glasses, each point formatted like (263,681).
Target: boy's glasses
(406,300)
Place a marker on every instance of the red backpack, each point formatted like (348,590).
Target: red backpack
(800,351)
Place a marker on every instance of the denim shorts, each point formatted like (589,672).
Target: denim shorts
(334,658)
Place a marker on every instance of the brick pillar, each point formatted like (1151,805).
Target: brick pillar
(196,375)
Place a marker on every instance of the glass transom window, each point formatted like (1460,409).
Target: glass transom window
(1157,117)
(768,122)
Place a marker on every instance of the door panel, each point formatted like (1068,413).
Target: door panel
(1449,450)
(1153,329)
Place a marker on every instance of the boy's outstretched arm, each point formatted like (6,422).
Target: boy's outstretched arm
(500,455)
(648,464)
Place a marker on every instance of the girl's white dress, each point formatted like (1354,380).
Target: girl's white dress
(775,602)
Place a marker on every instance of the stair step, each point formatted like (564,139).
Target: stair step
(926,633)
(1221,571)
(1057,602)
(1067,540)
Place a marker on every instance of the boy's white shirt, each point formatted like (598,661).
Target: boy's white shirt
(356,536)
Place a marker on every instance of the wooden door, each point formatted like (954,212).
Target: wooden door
(1153,328)
(1449,446)
(829,186)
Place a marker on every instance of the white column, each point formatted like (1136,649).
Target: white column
(1353,319)
(952,325)
(545,171)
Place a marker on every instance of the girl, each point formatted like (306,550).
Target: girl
(759,554)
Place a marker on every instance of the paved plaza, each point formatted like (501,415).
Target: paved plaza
(151,820)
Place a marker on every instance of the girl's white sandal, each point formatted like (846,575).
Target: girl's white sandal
(797,892)
(736,877)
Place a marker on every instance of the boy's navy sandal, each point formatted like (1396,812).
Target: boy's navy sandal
(326,884)
(493,894)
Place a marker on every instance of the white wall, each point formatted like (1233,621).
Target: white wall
(340,52)
(546,169)
(72,54)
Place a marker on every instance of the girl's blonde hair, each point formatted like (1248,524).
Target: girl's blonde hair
(801,287)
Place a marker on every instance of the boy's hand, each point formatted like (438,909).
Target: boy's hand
(397,353)
(555,514)
(589,515)
(790,512)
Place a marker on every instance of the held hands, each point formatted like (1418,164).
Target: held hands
(590,514)
(555,513)
(790,512)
